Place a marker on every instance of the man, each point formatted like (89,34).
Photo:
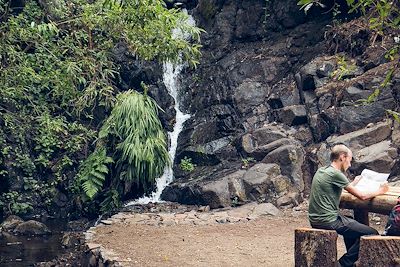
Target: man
(323,210)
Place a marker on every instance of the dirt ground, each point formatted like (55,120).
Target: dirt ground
(267,241)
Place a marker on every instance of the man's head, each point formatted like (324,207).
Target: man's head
(341,156)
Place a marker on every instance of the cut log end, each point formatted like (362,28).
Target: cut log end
(379,251)
(315,247)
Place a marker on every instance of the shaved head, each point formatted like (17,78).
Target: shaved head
(338,150)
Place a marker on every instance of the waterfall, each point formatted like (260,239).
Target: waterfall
(170,78)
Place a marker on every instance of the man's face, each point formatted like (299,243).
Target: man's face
(346,161)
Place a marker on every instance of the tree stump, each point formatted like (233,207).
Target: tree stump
(315,247)
(378,251)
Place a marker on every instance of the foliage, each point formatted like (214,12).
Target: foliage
(57,73)
(343,68)
(111,201)
(187,165)
(246,162)
(93,172)
(15,204)
(381,13)
(136,133)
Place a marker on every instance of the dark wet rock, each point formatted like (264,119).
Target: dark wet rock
(314,74)
(32,227)
(352,94)
(61,200)
(249,94)
(11,222)
(72,239)
(321,128)
(373,133)
(292,115)
(260,137)
(283,14)
(351,118)
(78,225)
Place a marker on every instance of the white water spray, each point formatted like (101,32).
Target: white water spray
(170,79)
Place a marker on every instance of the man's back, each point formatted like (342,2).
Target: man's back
(325,193)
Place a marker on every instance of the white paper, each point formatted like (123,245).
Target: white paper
(371,180)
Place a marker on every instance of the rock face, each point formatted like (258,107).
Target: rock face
(269,99)
(262,182)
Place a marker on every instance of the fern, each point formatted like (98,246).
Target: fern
(138,137)
(93,172)
(111,202)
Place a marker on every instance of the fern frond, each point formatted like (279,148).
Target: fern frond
(93,172)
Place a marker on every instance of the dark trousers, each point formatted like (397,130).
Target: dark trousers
(351,230)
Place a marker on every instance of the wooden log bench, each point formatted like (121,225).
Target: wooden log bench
(315,247)
(379,251)
(382,204)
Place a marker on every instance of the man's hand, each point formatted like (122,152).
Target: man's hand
(384,187)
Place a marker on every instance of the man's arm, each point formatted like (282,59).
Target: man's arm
(383,188)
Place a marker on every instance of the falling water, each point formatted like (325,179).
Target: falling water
(170,78)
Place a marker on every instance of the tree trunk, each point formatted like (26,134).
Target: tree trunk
(379,251)
(315,247)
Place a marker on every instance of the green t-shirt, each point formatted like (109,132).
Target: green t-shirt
(326,189)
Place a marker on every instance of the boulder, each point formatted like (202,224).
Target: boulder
(257,181)
(261,136)
(379,157)
(260,152)
(320,128)
(11,222)
(216,193)
(292,115)
(352,118)
(265,209)
(290,158)
(32,227)
(372,134)
(315,73)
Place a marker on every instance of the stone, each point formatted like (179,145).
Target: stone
(257,180)
(379,157)
(260,152)
(290,158)
(11,222)
(71,239)
(78,225)
(352,118)
(249,94)
(364,137)
(216,193)
(292,115)
(265,209)
(32,227)
(353,94)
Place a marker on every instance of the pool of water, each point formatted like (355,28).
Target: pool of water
(16,251)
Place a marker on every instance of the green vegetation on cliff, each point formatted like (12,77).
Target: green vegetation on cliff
(58,82)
